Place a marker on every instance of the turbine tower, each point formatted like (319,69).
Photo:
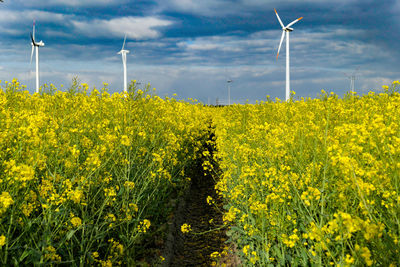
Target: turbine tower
(36,45)
(285,31)
(229,81)
(123,52)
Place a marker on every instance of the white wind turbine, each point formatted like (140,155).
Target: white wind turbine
(123,52)
(229,81)
(36,45)
(286,30)
(352,78)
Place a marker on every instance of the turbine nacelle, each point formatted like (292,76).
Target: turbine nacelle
(123,51)
(40,43)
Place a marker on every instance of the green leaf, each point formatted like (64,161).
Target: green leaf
(25,254)
(70,234)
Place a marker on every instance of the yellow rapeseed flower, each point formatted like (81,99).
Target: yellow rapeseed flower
(5,201)
(76,221)
(2,240)
(144,226)
(125,140)
(246,249)
(185,228)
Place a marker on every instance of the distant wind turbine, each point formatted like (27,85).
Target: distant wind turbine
(286,30)
(229,81)
(123,52)
(36,45)
(352,78)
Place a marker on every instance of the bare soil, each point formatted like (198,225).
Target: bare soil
(195,248)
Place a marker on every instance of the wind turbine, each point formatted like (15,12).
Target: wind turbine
(229,81)
(36,45)
(286,30)
(123,52)
(352,78)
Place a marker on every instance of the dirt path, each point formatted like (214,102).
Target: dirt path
(194,249)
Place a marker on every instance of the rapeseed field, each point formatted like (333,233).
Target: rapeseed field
(313,182)
(87,177)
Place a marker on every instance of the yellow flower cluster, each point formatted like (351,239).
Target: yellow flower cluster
(51,255)
(186,228)
(313,182)
(144,226)
(2,240)
(115,255)
(76,221)
(5,201)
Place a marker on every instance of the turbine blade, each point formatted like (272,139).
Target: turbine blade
(124,43)
(293,22)
(33,40)
(33,49)
(280,44)
(34,22)
(280,21)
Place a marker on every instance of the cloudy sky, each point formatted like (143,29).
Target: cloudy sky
(191,47)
